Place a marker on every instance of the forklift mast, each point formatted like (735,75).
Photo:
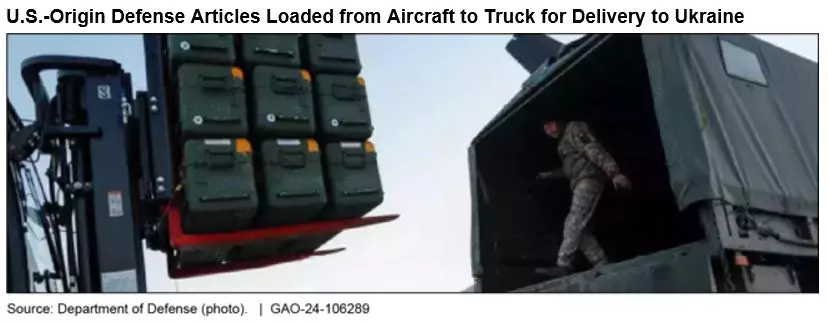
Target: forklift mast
(88,123)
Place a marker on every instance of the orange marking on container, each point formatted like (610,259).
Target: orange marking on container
(243,146)
(237,72)
(313,146)
(369,147)
(306,75)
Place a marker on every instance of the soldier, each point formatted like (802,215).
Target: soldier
(587,166)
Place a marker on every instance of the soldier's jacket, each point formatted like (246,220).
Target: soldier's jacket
(583,156)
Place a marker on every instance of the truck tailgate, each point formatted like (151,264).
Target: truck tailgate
(684,269)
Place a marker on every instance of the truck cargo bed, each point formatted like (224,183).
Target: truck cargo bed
(684,269)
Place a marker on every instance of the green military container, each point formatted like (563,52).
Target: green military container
(219,186)
(283,102)
(332,54)
(294,190)
(211,101)
(354,180)
(271,49)
(343,108)
(201,48)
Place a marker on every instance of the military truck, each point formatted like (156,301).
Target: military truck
(718,134)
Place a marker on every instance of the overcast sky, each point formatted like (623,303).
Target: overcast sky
(429,94)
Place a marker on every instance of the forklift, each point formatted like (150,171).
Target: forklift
(112,183)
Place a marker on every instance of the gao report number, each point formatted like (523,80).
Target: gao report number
(315,308)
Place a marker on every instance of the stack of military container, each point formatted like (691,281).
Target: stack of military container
(218,179)
(344,122)
(275,131)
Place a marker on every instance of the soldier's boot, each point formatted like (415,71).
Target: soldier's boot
(592,250)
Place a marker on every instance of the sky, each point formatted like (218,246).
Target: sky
(429,96)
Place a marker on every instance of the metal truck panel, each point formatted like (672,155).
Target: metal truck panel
(684,269)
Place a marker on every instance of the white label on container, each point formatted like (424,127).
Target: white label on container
(350,145)
(218,142)
(292,142)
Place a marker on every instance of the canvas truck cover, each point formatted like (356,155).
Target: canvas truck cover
(737,118)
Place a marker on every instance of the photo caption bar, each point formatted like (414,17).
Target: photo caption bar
(144,308)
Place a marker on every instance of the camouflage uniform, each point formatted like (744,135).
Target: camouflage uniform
(588,166)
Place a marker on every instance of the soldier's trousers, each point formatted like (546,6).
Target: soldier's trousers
(585,196)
